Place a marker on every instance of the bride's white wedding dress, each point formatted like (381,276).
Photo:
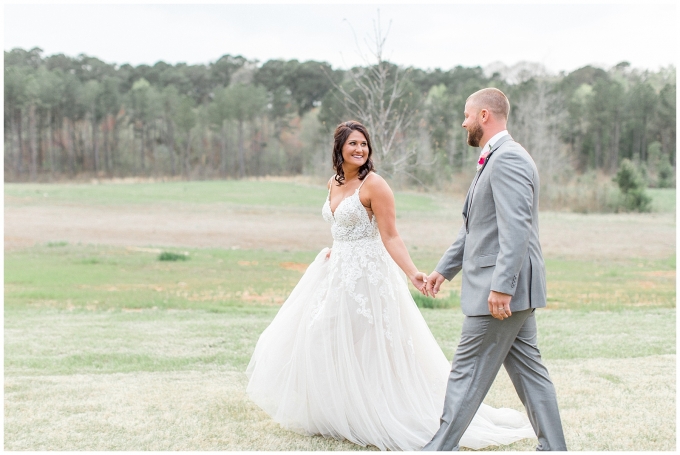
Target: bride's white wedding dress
(349,355)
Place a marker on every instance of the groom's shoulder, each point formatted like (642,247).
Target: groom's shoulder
(511,156)
(509,144)
(512,148)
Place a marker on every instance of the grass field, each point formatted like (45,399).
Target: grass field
(663,200)
(245,193)
(108,348)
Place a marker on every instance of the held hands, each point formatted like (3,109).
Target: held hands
(419,280)
(499,305)
(434,282)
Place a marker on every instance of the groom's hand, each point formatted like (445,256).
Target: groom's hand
(499,305)
(434,281)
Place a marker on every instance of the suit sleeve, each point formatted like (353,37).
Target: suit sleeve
(512,184)
(452,261)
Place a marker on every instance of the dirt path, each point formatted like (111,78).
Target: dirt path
(562,234)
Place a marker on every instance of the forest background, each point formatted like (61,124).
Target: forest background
(132,310)
(81,118)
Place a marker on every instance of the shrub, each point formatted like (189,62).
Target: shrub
(168,256)
(628,177)
(665,174)
(90,261)
(632,186)
(637,200)
(53,244)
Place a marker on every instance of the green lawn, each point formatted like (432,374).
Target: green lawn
(153,331)
(663,199)
(105,277)
(100,277)
(118,287)
(109,348)
(246,193)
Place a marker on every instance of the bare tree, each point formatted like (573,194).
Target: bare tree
(536,119)
(379,95)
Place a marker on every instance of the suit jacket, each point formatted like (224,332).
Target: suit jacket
(497,247)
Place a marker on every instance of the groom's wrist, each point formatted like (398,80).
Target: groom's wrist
(447,277)
(507,289)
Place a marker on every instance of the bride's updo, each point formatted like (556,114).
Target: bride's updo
(342,132)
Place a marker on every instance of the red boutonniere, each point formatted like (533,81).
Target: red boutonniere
(482,160)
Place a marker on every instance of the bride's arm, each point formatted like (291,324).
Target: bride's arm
(381,201)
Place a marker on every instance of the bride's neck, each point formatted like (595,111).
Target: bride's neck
(350,174)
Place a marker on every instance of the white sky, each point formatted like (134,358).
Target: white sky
(562,37)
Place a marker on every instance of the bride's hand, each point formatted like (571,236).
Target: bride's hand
(328,255)
(419,280)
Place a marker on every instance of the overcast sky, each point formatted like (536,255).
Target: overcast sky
(561,37)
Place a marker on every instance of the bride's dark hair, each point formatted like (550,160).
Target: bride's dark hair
(342,132)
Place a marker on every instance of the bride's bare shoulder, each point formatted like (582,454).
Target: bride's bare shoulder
(376,184)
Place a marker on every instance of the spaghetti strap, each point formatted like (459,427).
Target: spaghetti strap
(329,187)
(363,181)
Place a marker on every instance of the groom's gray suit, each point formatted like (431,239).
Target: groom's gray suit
(498,249)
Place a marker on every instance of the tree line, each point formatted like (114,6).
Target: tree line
(71,116)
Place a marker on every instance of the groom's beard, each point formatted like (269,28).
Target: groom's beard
(475,134)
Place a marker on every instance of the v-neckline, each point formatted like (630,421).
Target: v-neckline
(340,203)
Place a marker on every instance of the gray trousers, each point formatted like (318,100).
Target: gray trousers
(485,344)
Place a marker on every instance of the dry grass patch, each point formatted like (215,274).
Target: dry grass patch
(300,267)
(247,263)
(207,220)
(173,380)
(606,404)
(144,411)
(661,274)
(269,297)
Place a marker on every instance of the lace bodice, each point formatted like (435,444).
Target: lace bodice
(358,255)
(350,220)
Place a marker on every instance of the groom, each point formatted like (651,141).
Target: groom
(503,281)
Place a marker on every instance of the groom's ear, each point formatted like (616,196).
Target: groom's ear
(484,115)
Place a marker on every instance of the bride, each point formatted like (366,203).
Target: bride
(349,355)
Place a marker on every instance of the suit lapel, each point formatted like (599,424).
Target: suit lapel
(466,204)
(495,147)
(471,191)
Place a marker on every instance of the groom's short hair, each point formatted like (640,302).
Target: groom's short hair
(491,99)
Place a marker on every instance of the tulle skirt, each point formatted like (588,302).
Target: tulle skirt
(349,356)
